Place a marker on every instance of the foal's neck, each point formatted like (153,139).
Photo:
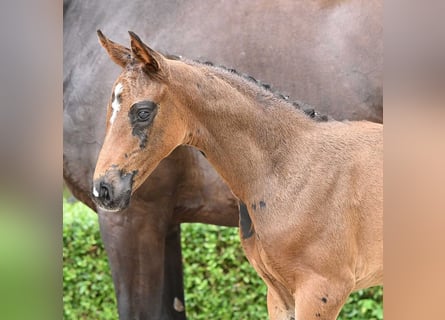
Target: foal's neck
(247,133)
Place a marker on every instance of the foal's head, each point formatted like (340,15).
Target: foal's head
(143,123)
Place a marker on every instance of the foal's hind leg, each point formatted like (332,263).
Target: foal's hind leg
(321,299)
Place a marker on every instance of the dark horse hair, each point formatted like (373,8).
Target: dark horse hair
(306,108)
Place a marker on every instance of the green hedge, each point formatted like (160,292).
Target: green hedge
(219,282)
(88,291)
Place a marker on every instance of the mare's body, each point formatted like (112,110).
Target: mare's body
(311,192)
(340,72)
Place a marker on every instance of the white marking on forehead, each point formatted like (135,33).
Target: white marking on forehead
(115,105)
(95,193)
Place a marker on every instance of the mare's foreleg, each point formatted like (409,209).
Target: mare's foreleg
(145,262)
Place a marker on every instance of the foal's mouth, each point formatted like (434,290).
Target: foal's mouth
(112,191)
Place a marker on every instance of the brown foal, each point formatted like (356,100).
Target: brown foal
(311,192)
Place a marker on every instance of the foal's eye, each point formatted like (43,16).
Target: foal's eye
(143,115)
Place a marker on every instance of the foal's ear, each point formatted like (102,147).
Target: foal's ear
(151,60)
(119,54)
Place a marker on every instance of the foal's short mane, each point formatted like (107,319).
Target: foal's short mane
(299,105)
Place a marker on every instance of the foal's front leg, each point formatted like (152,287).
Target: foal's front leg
(277,308)
(320,298)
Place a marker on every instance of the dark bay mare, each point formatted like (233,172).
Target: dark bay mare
(327,53)
(311,192)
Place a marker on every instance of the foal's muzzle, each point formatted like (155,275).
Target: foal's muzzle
(112,191)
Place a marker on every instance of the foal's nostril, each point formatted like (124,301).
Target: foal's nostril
(112,191)
(104,191)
